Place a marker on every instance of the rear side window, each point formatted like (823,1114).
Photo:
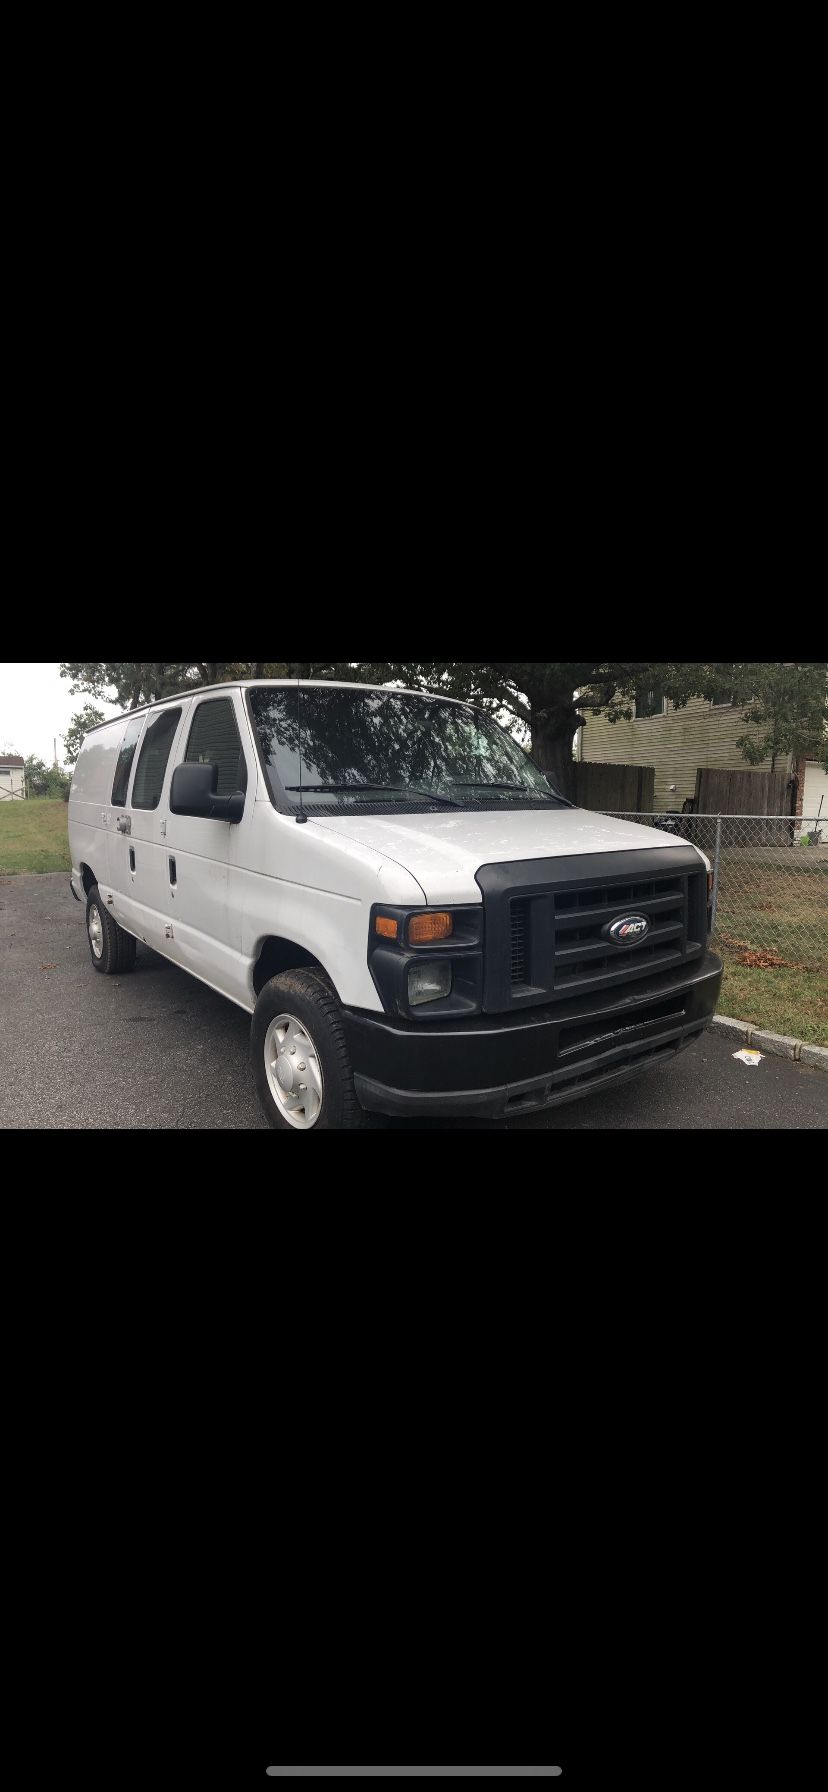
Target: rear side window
(125,758)
(215,740)
(152,759)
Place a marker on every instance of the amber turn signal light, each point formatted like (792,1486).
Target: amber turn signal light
(423,930)
(387,926)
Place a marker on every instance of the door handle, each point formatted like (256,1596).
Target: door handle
(132,858)
(173,878)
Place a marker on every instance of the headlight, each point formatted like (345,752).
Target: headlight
(427,956)
(426,930)
(428,983)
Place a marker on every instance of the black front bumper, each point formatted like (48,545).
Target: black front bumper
(495,1065)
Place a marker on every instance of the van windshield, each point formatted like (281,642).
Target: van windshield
(386,750)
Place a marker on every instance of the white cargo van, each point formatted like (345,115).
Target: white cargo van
(416,920)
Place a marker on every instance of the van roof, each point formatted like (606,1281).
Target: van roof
(234,684)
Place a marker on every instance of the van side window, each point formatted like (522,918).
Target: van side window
(215,740)
(152,760)
(125,758)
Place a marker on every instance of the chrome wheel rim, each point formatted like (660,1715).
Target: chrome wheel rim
(95,932)
(294,1072)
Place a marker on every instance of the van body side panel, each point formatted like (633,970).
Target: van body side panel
(333,928)
(303,885)
(91,816)
(141,902)
(204,902)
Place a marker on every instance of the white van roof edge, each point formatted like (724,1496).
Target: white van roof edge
(235,684)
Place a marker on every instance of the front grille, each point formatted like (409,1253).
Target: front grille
(546,922)
(518,943)
(585,958)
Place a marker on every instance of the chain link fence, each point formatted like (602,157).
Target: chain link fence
(770,892)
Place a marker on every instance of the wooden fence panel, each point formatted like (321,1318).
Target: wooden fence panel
(599,786)
(720,792)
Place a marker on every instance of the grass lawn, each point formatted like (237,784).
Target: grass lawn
(776,904)
(773,904)
(34,835)
(779,999)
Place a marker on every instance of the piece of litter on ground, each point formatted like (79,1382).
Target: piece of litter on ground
(749,1057)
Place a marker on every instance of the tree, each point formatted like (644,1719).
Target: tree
(86,718)
(788,705)
(131,683)
(58,783)
(45,780)
(551,700)
(547,701)
(37,775)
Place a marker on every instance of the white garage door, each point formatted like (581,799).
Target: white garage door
(816,786)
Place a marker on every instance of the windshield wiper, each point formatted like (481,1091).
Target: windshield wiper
(431,796)
(342,786)
(524,789)
(400,789)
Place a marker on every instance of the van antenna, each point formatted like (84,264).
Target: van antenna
(301,816)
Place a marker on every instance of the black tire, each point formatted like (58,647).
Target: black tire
(117,948)
(306,995)
(127,948)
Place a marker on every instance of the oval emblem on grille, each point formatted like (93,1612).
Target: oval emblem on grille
(627,929)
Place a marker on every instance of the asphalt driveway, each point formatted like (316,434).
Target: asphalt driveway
(158,1049)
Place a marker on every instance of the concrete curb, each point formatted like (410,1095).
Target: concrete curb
(777,1045)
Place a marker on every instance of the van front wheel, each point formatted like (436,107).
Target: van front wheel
(300,1057)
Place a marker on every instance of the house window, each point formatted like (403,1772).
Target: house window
(649,703)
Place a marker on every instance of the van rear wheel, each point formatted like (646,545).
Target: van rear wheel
(112,950)
(301,1065)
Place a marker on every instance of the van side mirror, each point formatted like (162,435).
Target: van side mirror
(193,792)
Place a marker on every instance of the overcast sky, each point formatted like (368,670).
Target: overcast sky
(35,705)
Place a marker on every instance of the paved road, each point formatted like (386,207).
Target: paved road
(158,1049)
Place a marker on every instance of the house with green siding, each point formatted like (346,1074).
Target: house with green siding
(676,742)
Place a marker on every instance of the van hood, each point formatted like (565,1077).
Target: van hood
(444,851)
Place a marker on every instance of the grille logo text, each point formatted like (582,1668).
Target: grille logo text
(628,928)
